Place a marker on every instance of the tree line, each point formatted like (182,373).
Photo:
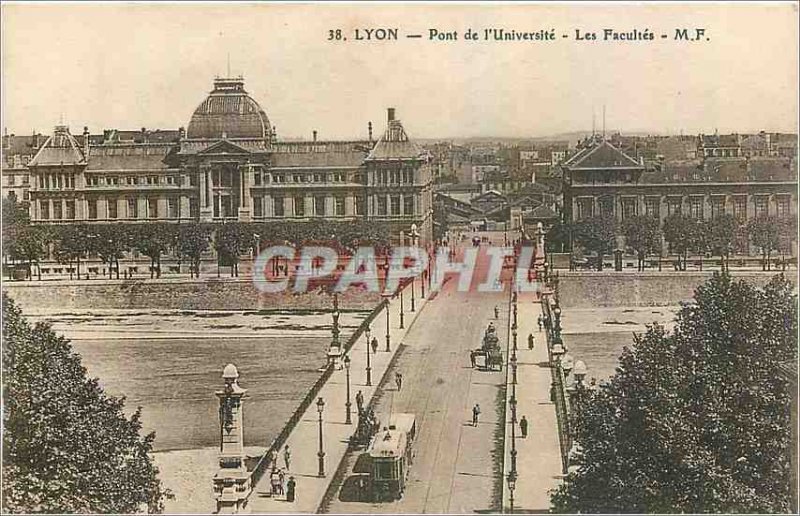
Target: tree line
(720,236)
(72,244)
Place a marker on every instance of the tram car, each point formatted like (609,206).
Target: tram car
(391,453)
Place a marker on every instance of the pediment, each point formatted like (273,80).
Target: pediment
(224,147)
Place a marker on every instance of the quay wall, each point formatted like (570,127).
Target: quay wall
(181,294)
(612,288)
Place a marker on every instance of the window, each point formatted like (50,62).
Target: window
(132,211)
(172,208)
(112,208)
(152,208)
(381,204)
(395,205)
(70,210)
(360,205)
(25,180)
(44,207)
(257,178)
(277,206)
(131,180)
(674,206)
(92,208)
(740,207)
(652,207)
(319,178)
(258,206)
(606,205)
(299,206)
(584,208)
(91,180)
(170,180)
(339,206)
(297,178)
(194,207)
(761,205)
(628,207)
(194,180)
(408,205)
(57,210)
(696,207)
(152,180)
(319,206)
(717,206)
(11,180)
(279,178)
(112,180)
(782,206)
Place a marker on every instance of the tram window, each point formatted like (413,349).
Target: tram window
(384,470)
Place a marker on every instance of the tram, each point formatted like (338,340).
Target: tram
(391,453)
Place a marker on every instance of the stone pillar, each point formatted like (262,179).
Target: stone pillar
(206,210)
(245,206)
(184,207)
(349,205)
(232,481)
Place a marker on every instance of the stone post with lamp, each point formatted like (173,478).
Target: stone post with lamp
(232,484)
(335,350)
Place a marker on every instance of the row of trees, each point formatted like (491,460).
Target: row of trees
(696,420)
(719,236)
(187,242)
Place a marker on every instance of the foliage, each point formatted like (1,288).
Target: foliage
(71,244)
(722,236)
(697,420)
(29,245)
(110,242)
(231,241)
(67,446)
(193,241)
(684,234)
(765,233)
(15,213)
(153,240)
(597,234)
(557,237)
(643,235)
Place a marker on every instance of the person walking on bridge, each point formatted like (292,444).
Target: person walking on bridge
(398,379)
(476,411)
(496,313)
(287,457)
(523,427)
(531,341)
(360,402)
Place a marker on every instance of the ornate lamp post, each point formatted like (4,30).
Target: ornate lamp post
(401,310)
(557,323)
(321,452)
(369,369)
(579,372)
(512,484)
(514,338)
(347,420)
(514,369)
(388,339)
(514,326)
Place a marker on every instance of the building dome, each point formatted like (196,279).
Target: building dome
(229,112)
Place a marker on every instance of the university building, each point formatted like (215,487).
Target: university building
(600,179)
(228,165)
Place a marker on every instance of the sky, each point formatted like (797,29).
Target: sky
(128,66)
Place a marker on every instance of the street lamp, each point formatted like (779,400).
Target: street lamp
(557,324)
(401,310)
(348,420)
(579,372)
(321,452)
(514,368)
(567,363)
(558,351)
(413,307)
(369,369)
(387,322)
(512,484)
(515,312)
(514,340)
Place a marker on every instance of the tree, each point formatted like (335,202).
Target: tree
(787,233)
(596,234)
(230,242)
(29,245)
(557,237)
(71,244)
(696,420)
(110,242)
(643,235)
(193,241)
(765,233)
(153,240)
(67,446)
(722,234)
(684,234)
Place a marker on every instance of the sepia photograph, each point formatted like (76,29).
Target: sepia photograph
(399,257)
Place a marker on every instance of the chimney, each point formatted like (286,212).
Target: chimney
(181,133)
(85,140)
(369,127)
(390,113)
(315,135)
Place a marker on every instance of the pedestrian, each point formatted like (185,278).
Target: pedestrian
(360,402)
(476,411)
(273,459)
(398,379)
(496,313)
(539,320)
(531,341)
(281,478)
(290,489)
(374,345)
(523,427)
(472,358)
(275,482)
(287,457)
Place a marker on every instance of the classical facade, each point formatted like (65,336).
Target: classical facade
(228,165)
(600,179)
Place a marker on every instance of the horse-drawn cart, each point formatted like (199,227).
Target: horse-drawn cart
(488,356)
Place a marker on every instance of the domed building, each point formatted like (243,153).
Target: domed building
(228,165)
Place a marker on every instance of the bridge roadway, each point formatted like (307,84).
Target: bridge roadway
(457,467)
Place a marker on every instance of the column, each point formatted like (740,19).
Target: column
(245,206)
(349,205)
(184,207)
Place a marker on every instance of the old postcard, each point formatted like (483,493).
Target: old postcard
(399,257)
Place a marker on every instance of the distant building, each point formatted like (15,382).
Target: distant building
(17,153)
(228,165)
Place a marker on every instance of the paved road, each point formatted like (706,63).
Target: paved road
(457,467)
